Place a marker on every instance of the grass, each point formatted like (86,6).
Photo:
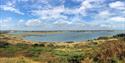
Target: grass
(16,60)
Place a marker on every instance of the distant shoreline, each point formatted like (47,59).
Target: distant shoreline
(19,38)
(23,34)
(55,30)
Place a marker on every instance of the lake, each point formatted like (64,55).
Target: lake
(66,36)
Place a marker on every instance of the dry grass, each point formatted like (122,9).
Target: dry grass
(16,60)
(111,51)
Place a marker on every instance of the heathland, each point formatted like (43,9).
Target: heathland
(13,49)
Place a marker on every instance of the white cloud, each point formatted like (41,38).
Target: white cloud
(5,22)
(117,5)
(55,12)
(118,19)
(62,22)
(33,22)
(22,0)
(10,7)
(50,13)
(105,25)
(104,13)
(86,4)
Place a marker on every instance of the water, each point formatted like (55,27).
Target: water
(69,36)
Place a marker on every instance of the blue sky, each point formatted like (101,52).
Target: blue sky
(62,14)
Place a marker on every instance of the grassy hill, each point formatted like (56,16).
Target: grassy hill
(13,49)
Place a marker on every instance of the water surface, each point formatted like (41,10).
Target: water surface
(69,36)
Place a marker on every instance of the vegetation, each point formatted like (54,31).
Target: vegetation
(101,50)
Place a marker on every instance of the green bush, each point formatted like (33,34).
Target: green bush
(22,45)
(38,45)
(9,51)
(4,44)
(119,35)
(36,51)
(70,57)
(102,38)
(75,58)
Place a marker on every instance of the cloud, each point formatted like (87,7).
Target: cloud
(10,7)
(6,23)
(23,0)
(60,14)
(117,5)
(86,4)
(33,22)
(118,19)
(49,13)
(57,11)
(104,13)
(62,22)
(105,25)
(101,19)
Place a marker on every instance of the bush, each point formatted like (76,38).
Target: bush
(4,44)
(103,38)
(38,45)
(70,57)
(50,45)
(70,42)
(119,35)
(110,50)
(22,45)
(75,58)
(35,51)
(9,51)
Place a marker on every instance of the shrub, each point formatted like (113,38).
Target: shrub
(103,38)
(9,51)
(4,44)
(119,35)
(38,45)
(75,58)
(35,51)
(50,45)
(110,50)
(70,42)
(22,45)
(70,57)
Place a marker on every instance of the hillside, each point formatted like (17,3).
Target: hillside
(13,49)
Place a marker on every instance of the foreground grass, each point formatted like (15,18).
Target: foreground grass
(16,60)
(101,50)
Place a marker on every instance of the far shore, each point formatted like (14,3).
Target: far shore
(18,38)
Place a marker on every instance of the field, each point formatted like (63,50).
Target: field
(13,49)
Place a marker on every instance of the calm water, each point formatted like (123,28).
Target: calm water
(69,36)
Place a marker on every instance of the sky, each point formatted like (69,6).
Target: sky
(62,14)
